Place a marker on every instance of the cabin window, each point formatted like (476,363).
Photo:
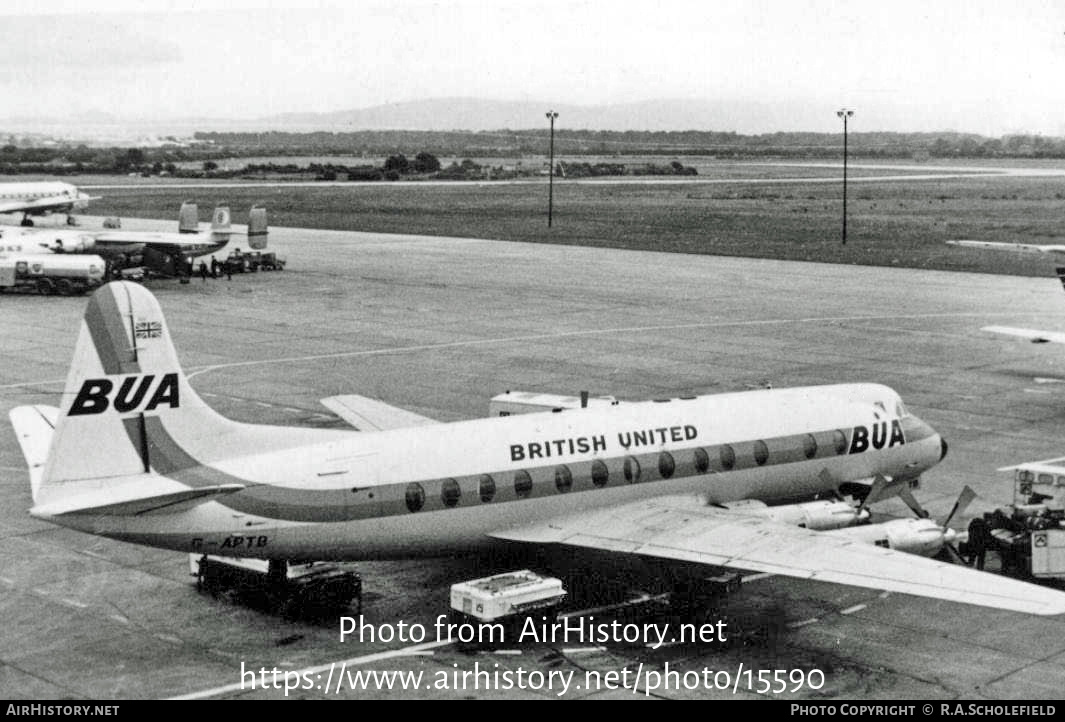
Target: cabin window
(728,457)
(702,461)
(809,446)
(1047,479)
(450,493)
(487,488)
(632,469)
(840,441)
(666,465)
(1025,475)
(415,496)
(761,453)
(522,484)
(600,474)
(563,479)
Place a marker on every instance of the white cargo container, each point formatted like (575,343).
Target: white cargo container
(1048,554)
(506,595)
(47,273)
(527,402)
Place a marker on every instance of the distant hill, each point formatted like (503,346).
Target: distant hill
(476,114)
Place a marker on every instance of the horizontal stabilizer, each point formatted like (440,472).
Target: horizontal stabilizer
(34,426)
(1017,247)
(113,502)
(367,414)
(1033,335)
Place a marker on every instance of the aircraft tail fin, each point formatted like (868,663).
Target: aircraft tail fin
(257,231)
(221,229)
(127,407)
(189,218)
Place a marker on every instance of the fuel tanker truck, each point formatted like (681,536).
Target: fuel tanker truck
(65,274)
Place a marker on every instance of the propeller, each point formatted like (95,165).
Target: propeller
(907,496)
(881,489)
(949,535)
(876,493)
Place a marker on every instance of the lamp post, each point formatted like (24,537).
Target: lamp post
(551,115)
(844,113)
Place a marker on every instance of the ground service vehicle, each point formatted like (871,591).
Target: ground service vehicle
(269,261)
(51,273)
(506,596)
(235,262)
(293,590)
(1027,536)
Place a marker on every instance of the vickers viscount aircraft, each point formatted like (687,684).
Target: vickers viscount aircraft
(133,453)
(34,199)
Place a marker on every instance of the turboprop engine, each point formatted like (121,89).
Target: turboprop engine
(73,243)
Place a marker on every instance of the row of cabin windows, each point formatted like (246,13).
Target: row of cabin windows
(451,493)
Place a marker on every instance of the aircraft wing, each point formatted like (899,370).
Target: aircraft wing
(686,529)
(1024,247)
(41,204)
(157,237)
(367,414)
(1033,335)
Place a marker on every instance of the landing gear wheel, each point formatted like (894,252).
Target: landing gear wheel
(64,287)
(45,287)
(27,222)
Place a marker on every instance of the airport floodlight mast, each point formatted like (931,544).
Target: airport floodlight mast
(844,113)
(551,115)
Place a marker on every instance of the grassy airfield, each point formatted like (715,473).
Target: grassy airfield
(890,223)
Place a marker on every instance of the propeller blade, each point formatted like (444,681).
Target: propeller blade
(964,499)
(907,496)
(875,492)
(956,554)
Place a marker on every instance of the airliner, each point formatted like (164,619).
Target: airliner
(163,252)
(1033,335)
(133,453)
(39,198)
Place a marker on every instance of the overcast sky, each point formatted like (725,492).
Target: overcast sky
(983,66)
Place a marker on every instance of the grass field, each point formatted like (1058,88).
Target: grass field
(900,223)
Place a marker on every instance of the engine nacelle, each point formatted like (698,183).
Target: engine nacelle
(817,515)
(814,515)
(914,536)
(73,243)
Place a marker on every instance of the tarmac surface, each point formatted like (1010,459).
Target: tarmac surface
(440,325)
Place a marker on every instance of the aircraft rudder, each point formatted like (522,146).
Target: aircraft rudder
(125,371)
(220,219)
(188,218)
(257,228)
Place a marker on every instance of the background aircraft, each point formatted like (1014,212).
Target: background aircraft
(135,454)
(35,199)
(1033,335)
(164,253)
